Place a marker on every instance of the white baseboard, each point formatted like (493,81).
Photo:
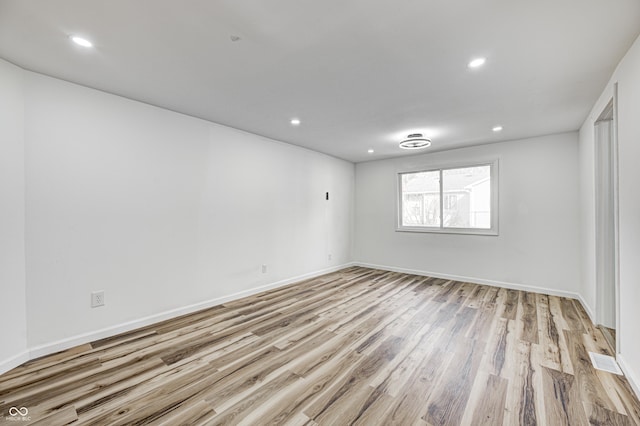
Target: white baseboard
(475,280)
(587,308)
(630,375)
(63,344)
(14,361)
(80,339)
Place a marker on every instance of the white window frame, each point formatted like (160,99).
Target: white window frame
(494,176)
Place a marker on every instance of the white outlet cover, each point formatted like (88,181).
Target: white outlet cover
(97,298)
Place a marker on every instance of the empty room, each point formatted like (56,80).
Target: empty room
(319,212)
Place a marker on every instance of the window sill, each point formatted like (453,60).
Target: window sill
(462,231)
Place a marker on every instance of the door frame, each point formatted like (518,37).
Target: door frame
(612,109)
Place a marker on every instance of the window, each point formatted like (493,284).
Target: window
(450,199)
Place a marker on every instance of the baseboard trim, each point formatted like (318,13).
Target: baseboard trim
(587,308)
(14,361)
(63,344)
(475,280)
(633,380)
(80,339)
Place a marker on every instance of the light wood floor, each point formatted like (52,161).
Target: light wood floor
(359,346)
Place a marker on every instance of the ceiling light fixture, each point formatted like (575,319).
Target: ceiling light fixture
(415,141)
(477,62)
(370,151)
(81,41)
(497,129)
(295,121)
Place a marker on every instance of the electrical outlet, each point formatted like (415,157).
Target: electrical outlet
(97,298)
(329,256)
(264,269)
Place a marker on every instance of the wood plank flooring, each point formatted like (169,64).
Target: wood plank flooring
(359,346)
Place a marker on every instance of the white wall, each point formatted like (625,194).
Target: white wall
(13,344)
(162,211)
(627,75)
(538,240)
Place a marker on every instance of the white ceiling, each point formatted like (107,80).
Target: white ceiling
(360,74)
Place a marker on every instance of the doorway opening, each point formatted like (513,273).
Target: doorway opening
(606,223)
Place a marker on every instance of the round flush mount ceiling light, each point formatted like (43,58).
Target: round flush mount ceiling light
(295,121)
(477,62)
(81,41)
(415,141)
(497,129)
(370,151)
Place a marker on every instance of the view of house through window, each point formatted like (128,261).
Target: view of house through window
(452,198)
(421,199)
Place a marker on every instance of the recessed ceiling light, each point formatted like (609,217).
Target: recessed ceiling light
(497,129)
(477,62)
(415,141)
(295,121)
(81,41)
(371,151)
